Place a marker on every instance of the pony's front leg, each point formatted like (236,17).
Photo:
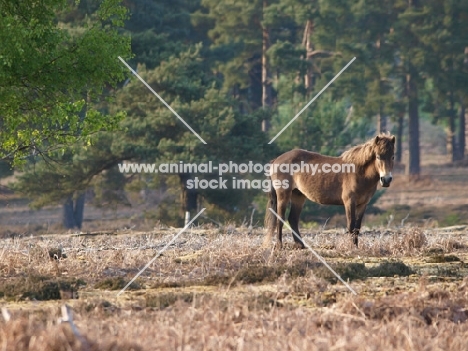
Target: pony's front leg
(360,209)
(350,208)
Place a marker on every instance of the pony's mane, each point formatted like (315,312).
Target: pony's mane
(361,154)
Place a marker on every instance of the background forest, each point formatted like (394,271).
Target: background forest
(237,72)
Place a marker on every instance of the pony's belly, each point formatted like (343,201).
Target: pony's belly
(324,191)
(323,200)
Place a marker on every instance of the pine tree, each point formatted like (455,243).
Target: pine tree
(411,53)
(444,32)
(154,134)
(375,55)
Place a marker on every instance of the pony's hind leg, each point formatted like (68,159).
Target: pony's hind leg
(283,201)
(270,218)
(297,203)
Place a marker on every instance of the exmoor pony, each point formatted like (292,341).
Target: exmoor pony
(349,180)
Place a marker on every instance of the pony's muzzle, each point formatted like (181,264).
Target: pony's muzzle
(385,181)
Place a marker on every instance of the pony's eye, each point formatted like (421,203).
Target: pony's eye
(377,157)
(393,157)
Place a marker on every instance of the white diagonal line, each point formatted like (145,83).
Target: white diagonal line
(311,101)
(316,254)
(161,251)
(160,98)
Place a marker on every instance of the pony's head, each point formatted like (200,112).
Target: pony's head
(384,151)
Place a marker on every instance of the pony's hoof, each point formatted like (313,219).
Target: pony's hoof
(299,246)
(355,236)
(278,246)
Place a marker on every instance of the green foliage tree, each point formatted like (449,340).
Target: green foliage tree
(154,134)
(236,37)
(49,72)
(327,126)
(151,133)
(227,68)
(159,29)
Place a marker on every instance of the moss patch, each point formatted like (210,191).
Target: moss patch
(116,283)
(353,271)
(258,273)
(262,273)
(442,259)
(36,287)
(164,300)
(390,269)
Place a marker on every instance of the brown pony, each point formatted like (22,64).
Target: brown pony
(349,180)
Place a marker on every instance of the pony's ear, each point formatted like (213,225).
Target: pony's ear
(393,140)
(376,140)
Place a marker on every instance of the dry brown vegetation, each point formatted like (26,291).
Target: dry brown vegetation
(419,321)
(218,289)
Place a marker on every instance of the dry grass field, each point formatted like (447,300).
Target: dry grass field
(218,289)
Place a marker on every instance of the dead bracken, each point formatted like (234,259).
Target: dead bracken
(210,284)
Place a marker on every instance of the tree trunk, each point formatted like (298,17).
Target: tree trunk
(72,215)
(399,139)
(68,217)
(413,125)
(79,210)
(309,79)
(451,132)
(266,77)
(189,197)
(382,121)
(462,133)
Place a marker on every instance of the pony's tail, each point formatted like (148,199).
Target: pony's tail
(270,218)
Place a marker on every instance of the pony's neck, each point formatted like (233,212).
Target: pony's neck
(363,158)
(360,155)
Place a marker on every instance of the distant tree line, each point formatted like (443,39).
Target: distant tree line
(237,72)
